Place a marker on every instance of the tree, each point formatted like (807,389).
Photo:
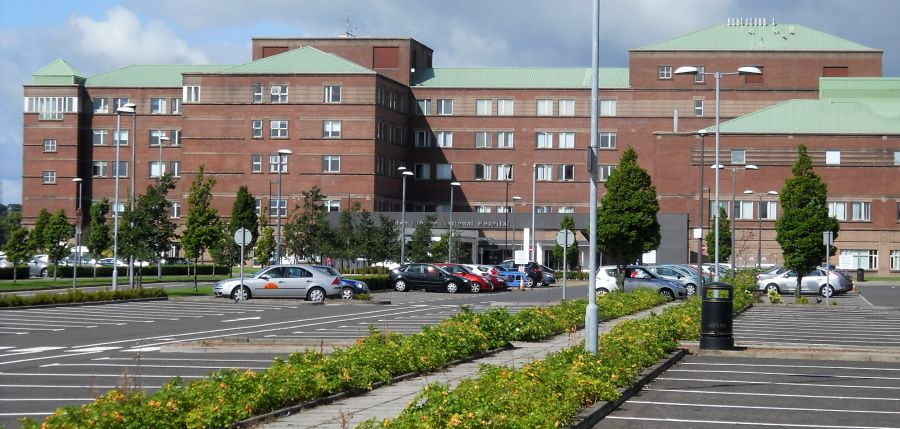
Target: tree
(420,243)
(387,239)
(203,226)
(804,218)
(343,243)
(152,232)
(626,220)
(57,234)
(571,253)
(265,246)
(366,239)
(243,215)
(724,239)
(37,233)
(16,248)
(99,239)
(224,251)
(439,248)
(307,234)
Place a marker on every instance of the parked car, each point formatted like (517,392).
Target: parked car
(812,283)
(637,277)
(688,278)
(349,287)
(282,281)
(606,280)
(37,266)
(491,273)
(108,262)
(477,282)
(549,276)
(534,277)
(426,276)
(173,261)
(771,272)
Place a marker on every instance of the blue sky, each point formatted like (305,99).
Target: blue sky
(99,35)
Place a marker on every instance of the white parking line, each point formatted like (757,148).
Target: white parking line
(780,395)
(40,374)
(34,329)
(145,359)
(64,319)
(756,407)
(759,365)
(241,319)
(777,383)
(789,374)
(18,352)
(734,423)
(146,365)
(71,386)
(46,399)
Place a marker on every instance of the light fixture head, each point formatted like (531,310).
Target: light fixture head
(455,184)
(748,191)
(285,151)
(401,168)
(703,132)
(408,173)
(687,70)
(749,70)
(773,193)
(719,166)
(125,109)
(77,179)
(751,167)
(165,138)
(516,198)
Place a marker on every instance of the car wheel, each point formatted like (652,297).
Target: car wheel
(772,287)
(452,287)
(400,286)
(240,293)
(347,293)
(602,291)
(691,289)
(316,294)
(529,282)
(826,290)
(44,273)
(667,293)
(475,287)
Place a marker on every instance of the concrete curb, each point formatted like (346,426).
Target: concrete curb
(591,415)
(799,351)
(87,303)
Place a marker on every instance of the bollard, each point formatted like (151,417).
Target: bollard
(717,316)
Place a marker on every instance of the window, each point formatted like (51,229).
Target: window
(278,208)
(482,209)
(190,94)
(101,137)
(543,209)
(423,107)
(332,205)
(156,136)
(256,163)
(100,168)
(566,209)
(257,128)
(544,107)
(738,156)
(566,107)
(117,208)
(49,177)
(483,171)
(483,139)
(698,107)
(567,140)
(49,145)
(505,107)
(895,259)
(544,140)
(484,107)
(505,139)
(423,138)
(158,106)
(837,210)
(832,157)
(604,170)
(544,172)
(768,210)
(331,164)
(121,101)
(176,106)
(504,209)
(607,140)
(332,93)
(121,138)
(566,172)
(862,211)
(896,158)
(155,169)
(866,259)
(51,107)
(504,172)
(422,171)
(279,93)
(174,168)
(664,72)
(258,206)
(175,135)
(445,107)
(607,107)
(443,172)
(331,129)
(278,129)
(444,138)
(743,210)
(101,105)
(276,160)
(700,77)
(175,210)
(122,171)
(257,93)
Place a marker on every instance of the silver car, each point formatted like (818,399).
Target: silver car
(683,275)
(282,281)
(638,277)
(812,283)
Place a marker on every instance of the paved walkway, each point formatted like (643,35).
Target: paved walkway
(390,401)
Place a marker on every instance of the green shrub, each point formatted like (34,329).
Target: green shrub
(79,296)
(375,281)
(7,273)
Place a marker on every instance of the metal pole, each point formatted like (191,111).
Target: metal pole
(133,173)
(759,233)
(701,220)
(718,77)
(828,235)
(506,222)
(532,251)
(403,221)
(450,235)
(278,206)
(733,218)
(77,235)
(590,316)
(565,263)
(115,273)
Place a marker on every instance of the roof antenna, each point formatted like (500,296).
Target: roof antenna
(349,28)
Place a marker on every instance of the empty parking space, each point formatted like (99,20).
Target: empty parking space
(817,326)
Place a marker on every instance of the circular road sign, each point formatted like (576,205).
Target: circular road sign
(565,237)
(242,237)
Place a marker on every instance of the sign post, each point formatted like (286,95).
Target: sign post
(242,237)
(563,238)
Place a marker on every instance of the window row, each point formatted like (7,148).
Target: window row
(743,210)
(105,168)
(158,105)
(330,163)
(507,107)
(390,132)
(505,139)
(277,93)
(278,129)
(667,72)
(858,211)
(391,99)
(156,137)
(832,157)
(51,107)
(508,209)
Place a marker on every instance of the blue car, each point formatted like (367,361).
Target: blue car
(349,287)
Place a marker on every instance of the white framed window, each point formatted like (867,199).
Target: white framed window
(331,164)
(445,106)
(837,210)
(117,208)
(276,160)
(278,93)
(544,172)
(604,170)
(50,145)
(544,107)
(738,156)
(101,105)
(332,93)
(332,205)
(51,108)
(505,139)
(482,209)
(120,138)
(443,171)
(544,140)
(423,106)
(607,139)
(895,260)
(49,177)
(423,138)
(861,211)
(567,107)
(256,127)
(567,172)
(176,106)
(698,107)
(664,72)
(174,210)
(278,208)
(175,136)
(101,137)
(256,163)
(122,171)
(504,209)
(174,168)
(768,210)
(566,140)
(100,168)
(257,92)
(607,107)
(483,139)
(422,171)
(832,157)
(156,136)
(258,206)
(483,171)
(866,259)
(331,129)
(158,106)
(566,209)
(505,172)
(743,210)
(155,170)
(121,101)
(190,94)
(444,138)
(896,158)
(506,107)
(700,77)
(543,209)
(278,129)
(484,107)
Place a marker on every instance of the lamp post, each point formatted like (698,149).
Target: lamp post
(404,174)
(125,108)
(77,234)
(450,235)
(506,222)
(515,198)
(282,160)
(691,70)
(591,319)
(702,133)
(133,173)
(759,225)
(733,206)
(531,249)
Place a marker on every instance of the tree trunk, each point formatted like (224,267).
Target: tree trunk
(195,274)
(799,282)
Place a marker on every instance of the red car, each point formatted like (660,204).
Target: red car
(490,272)
(477,282)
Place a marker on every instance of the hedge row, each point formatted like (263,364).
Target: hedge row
(7,273)
(79,296)
(87,272)
(375,281)
(229,396)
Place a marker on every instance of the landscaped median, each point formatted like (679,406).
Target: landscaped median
(229,396)
(78,296)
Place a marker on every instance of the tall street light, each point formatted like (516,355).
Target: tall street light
(506,222)
(591,320)
(733,211)
(759,225)
(77,234)
(450,235)
(702,133)
(403,175)
(515,199)
(133,174)
(692,70)
(125,108)
(282,163)
(532,256)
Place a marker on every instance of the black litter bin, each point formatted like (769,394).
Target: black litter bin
(860,275)
(717,316)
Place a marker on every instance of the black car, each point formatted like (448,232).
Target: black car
(549,277)
(534,276)
(426,276)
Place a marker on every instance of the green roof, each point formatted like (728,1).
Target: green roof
(58,72)
(305,60)
(868,88)
(148,76)
(852,117)
(518,77)
(781,37)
